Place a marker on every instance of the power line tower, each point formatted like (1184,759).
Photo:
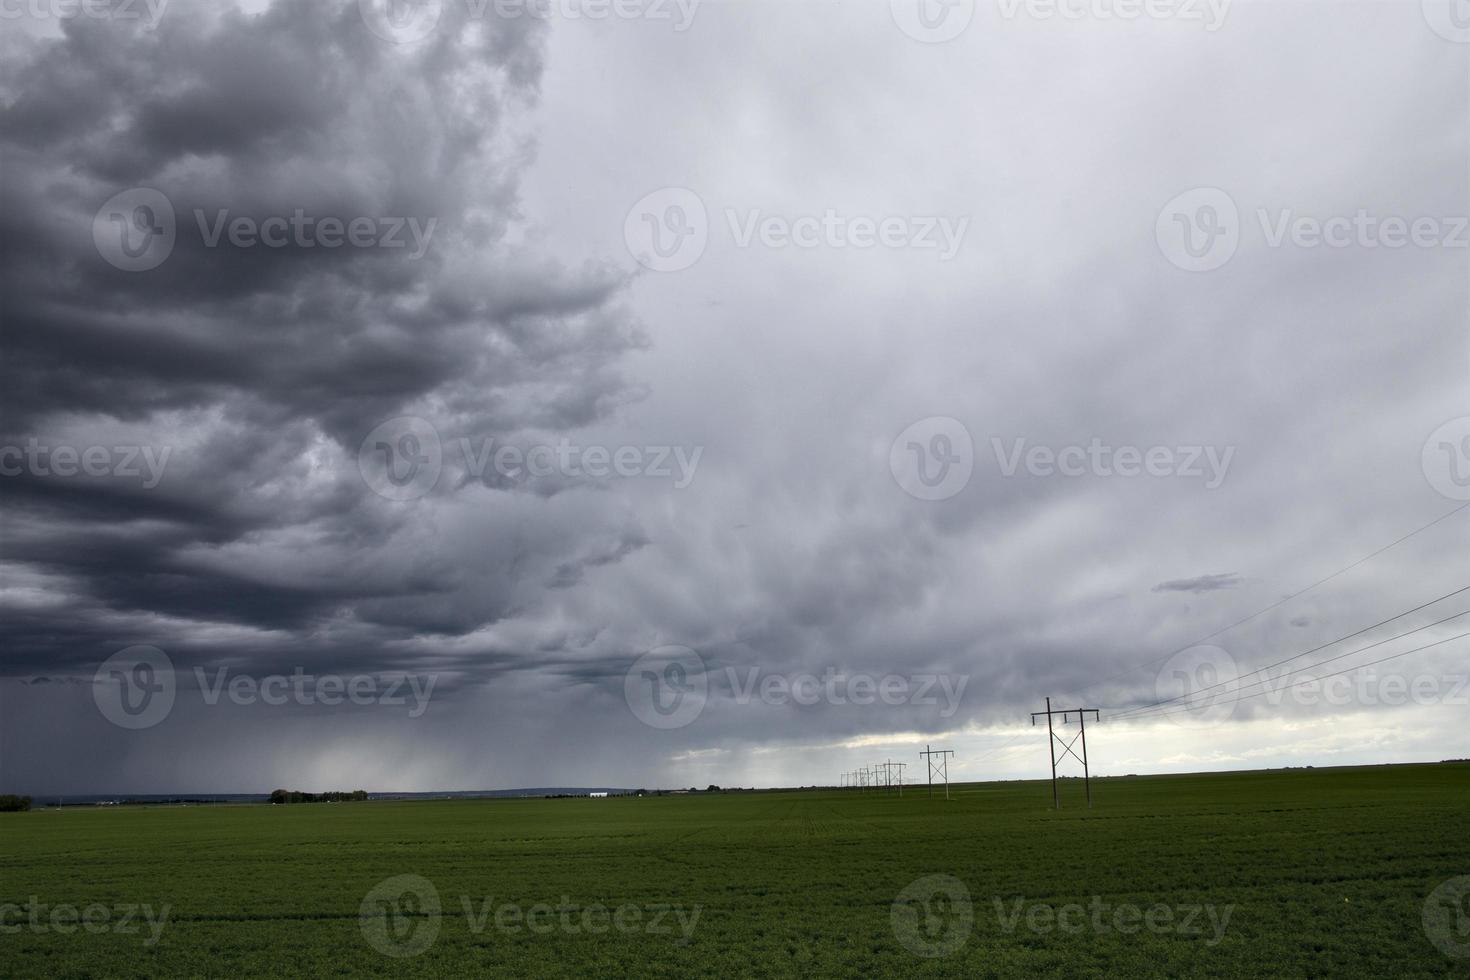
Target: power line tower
(942,765)
(900,766)
(1053,739)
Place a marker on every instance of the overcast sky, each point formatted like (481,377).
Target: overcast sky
(662,383)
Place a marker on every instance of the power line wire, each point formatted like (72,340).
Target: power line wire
(1279,602)
(1267,680)
(1345,670)
(1296,656)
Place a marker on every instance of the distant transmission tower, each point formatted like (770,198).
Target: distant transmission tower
(1053,739)
(942,765)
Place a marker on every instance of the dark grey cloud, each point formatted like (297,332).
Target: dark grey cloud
(260,370)
(1200,583)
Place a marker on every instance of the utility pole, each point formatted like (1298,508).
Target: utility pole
(1054,739)
(943,763)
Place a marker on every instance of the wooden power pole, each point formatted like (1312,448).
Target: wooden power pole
(1053,740)
(943,764)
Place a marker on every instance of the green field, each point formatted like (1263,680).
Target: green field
(1306,873)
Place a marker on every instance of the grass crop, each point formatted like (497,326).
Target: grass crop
(1315,873)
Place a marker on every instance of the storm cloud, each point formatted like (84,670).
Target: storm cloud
(484,438)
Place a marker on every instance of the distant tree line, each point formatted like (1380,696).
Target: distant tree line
(296,796)
(10,803)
